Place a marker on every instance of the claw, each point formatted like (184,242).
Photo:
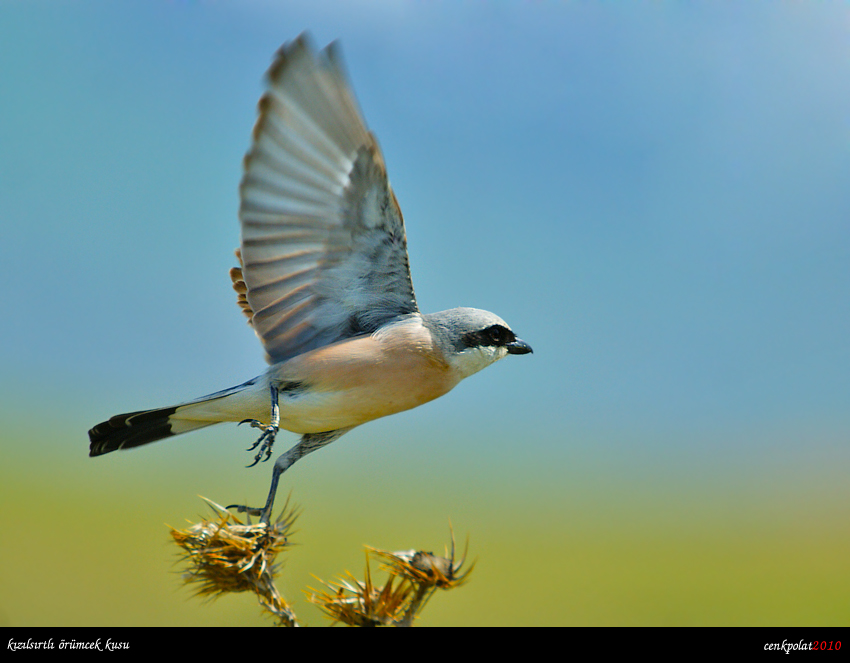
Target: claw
(265,442)
(250,510)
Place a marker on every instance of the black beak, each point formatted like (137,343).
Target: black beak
(518,347)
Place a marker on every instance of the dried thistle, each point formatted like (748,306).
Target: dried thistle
(413,578)
(229,555)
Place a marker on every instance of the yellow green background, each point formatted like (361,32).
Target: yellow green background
(557,540)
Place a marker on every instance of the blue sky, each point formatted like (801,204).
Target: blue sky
(654,195)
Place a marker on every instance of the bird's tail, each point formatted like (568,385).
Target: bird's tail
(133,429)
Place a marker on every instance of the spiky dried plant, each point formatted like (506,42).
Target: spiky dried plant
(228,555)
(412,579)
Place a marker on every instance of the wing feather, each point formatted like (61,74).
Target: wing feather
(324,252)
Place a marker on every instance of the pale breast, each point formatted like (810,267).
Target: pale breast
(357,380)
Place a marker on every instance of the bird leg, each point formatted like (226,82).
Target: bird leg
(308,443)
(266,440)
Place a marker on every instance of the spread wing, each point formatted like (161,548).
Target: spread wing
(324,252)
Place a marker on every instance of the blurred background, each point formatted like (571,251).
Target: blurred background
(654,195)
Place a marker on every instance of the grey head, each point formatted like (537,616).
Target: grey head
(473,339)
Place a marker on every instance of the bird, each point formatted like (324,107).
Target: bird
(324,280)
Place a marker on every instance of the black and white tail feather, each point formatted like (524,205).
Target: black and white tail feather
(134,429)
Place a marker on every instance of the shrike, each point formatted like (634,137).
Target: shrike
(324,281)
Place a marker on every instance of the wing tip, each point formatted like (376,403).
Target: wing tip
(290,52)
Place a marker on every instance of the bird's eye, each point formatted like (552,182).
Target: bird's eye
(497,334)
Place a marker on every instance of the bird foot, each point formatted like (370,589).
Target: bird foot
(250,510)
(265,441)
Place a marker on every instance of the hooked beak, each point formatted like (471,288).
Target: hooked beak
(518,347)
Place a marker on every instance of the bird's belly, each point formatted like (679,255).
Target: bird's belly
(357,380)
(317,411)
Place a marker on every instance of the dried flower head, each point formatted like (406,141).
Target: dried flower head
(413,577)
(229,555)
(426,568)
